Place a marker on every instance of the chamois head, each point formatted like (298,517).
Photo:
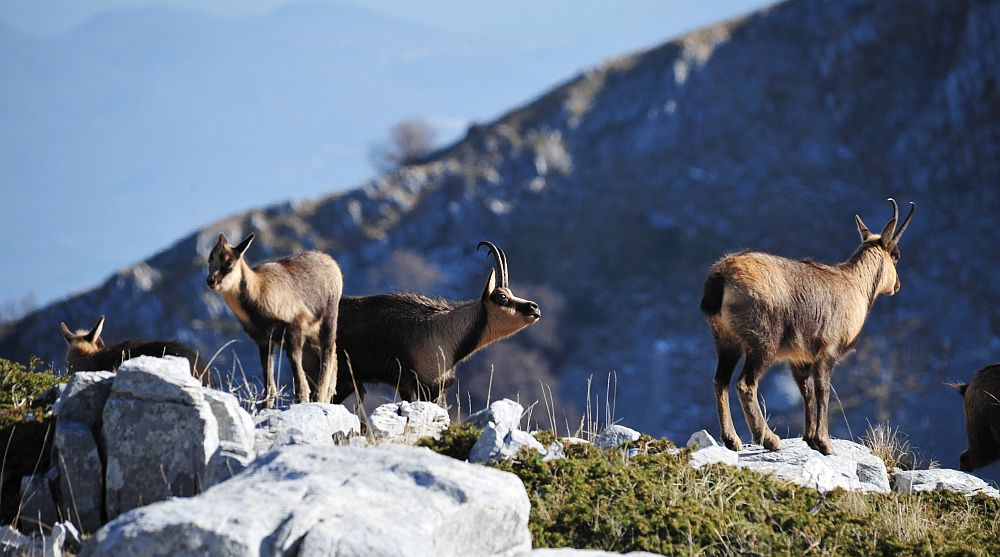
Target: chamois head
(887,244)
(507,312)
(224,269)
(83,343)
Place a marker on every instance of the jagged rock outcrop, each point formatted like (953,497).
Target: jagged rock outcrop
(348,501)
(407,422)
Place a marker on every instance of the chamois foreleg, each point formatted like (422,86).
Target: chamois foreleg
(756,364)
(821,374)
(801,374)
(296,341)
(729,356)
(326,386)
(267,368)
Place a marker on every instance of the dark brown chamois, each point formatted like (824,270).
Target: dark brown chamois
(982,419)
(291,302)
(414,342)
(88,352)
(769,309)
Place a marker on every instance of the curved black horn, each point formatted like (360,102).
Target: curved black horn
(899,233)
(890,226)
(499,257)
(506,277)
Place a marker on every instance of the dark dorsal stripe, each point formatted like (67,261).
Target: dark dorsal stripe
(472,338)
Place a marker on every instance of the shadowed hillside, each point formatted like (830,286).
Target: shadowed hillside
(613,193)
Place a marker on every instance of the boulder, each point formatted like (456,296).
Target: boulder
(615,436)
(159,431)
(498,443)
(348,501)
(505,413)
(407,422)
(83,398)
(81,475)
(236,438)
(851,467)
(910,481)
(310,423)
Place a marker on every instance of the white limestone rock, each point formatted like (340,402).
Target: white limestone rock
(910,481)
(347,501)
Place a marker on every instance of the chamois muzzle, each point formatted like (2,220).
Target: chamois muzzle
(214,280)
(530,309)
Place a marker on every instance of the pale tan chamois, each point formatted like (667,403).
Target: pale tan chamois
(982,419)
(414,342)
(88,352)
(769,308)
(289,303)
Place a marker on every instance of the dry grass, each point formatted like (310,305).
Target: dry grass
(890,444)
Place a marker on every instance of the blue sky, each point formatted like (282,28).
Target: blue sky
(128,124)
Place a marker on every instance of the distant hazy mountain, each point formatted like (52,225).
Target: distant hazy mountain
(613,193)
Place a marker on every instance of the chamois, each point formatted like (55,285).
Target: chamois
(769,308)
(288,302)
(88,352)
(982,419)
(414,342)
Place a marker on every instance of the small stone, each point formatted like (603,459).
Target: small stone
(701,439)
(505,413)
(615,436)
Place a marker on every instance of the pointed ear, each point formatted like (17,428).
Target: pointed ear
(243,245)
(862,229)
(66,333)
(491,284)
(95,333)
(222,240)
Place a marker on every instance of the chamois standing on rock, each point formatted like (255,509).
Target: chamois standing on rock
(290,302)
(982,419)
(414,342)
(769,308)
(88,352)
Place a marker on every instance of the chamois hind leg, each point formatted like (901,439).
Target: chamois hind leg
(756,364)
(326,387)
(296,341)
(267,370)
(821,373)
(729,355)
(801,374)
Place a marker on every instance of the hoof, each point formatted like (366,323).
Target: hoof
(824,446)
(733,444)
(771,442)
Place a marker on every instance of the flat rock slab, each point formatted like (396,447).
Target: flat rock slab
(851,467)
(910,481)
(347,501)
(569,552)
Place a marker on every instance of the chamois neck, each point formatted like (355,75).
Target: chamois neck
(463,329)
(865,267)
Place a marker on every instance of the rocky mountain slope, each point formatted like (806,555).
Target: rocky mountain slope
(614,192)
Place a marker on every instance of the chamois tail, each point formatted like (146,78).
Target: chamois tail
(711,298)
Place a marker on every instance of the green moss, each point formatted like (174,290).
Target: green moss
(456,441)
(657,502)
(20,385)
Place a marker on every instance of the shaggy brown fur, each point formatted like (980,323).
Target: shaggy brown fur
(982,419)
(769,309)
(88,352)
(414,342)
(290,303)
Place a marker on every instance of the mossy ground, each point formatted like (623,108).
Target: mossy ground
(656,502)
